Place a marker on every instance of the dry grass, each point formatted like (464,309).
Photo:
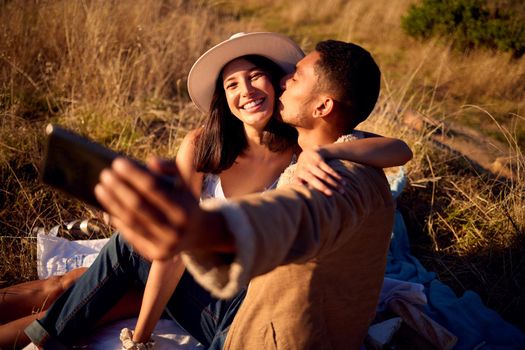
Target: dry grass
(464,223)
(115,71)
(438,79)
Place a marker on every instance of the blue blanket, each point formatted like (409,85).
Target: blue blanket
(475,325)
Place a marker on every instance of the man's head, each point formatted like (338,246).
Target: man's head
(338,79)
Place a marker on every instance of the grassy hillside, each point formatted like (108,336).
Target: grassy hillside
(115,71)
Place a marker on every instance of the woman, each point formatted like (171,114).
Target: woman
(242,149)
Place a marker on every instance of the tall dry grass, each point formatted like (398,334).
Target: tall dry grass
(115,71)
(438,78)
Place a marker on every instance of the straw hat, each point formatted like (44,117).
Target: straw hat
(204,73)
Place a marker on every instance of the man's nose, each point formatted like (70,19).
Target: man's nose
(284,80)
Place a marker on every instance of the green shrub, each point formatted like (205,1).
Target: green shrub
(469,23)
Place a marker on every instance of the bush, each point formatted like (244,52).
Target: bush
(469,23)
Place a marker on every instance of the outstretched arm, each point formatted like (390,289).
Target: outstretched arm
(159,220)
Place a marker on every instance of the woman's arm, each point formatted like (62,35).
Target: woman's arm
(164,275)
(380,152)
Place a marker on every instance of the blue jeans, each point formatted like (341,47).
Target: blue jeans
(117,269)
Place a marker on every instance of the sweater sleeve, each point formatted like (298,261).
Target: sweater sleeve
(292,224)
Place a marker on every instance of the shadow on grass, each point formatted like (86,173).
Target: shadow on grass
(468,248)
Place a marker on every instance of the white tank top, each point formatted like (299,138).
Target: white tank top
(212,187)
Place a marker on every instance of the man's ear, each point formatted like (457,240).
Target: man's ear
(323,107)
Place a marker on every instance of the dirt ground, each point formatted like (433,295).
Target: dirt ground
(483,152)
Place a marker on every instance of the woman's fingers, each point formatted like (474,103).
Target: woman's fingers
(329,170)
(314,182)
(317,178)
(325,177)
(313,170)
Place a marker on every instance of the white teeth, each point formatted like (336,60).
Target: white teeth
(253,104)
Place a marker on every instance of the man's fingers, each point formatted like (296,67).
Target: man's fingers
(162,239)
(155,189)
(107,199)
(114,206)
(129,206)
(121,191)
(147,235)
(163,166)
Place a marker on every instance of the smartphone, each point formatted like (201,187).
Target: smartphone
(73,163)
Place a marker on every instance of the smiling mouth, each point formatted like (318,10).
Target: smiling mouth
(253,104)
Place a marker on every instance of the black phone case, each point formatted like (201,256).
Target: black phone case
(73,163)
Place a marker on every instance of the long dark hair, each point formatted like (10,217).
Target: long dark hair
(223,139)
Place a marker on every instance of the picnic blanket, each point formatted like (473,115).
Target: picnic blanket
(475,325)
(57,255)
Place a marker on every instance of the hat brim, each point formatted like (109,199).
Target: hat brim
(205,71)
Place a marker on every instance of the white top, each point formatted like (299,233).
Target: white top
(212,187)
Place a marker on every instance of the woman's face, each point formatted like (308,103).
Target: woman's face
(249,92)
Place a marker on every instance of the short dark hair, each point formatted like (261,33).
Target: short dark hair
(350,72)
(222,138)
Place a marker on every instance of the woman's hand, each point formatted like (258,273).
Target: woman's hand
(313,171)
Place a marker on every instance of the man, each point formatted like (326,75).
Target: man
(314,263)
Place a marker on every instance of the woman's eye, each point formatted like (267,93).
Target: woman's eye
(230,86)
(257,75)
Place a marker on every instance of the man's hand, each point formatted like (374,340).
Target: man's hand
(159,217)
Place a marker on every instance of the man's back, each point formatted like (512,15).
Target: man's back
(319,263)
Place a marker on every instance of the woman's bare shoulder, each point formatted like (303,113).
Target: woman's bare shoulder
(185,161)
(192,135)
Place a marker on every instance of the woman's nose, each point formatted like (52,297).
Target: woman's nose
(246,88)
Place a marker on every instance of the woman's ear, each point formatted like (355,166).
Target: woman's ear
(324,107)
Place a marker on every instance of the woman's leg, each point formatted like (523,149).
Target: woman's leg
(162,280)
(12,334)
(23,303)
(25,299)
(78,310)
(206,318)
(115,271)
